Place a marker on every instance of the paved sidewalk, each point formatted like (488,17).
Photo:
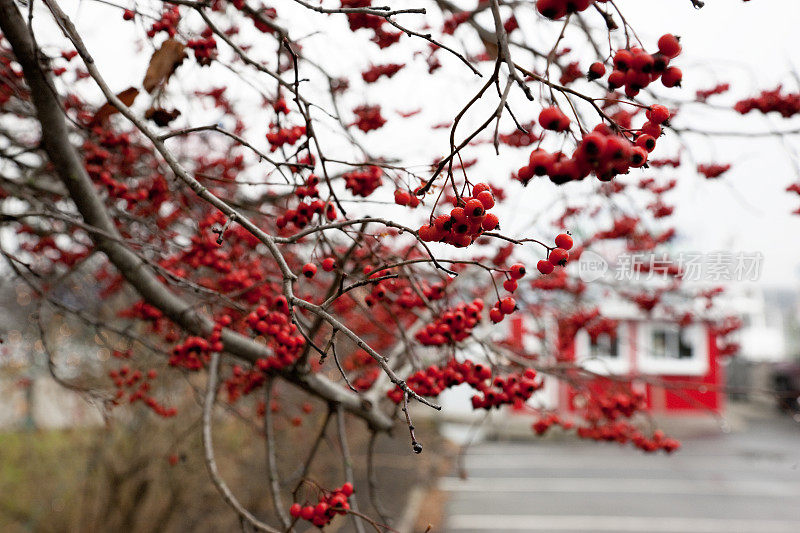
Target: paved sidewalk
(745,481)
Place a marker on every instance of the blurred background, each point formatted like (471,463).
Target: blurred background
(64,468)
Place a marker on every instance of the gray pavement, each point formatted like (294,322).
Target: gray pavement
(743,481)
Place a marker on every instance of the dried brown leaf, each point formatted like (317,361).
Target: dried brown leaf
(163,63)
(106,110)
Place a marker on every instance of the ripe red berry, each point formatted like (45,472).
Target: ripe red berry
(596,70)
(672,77)
(309,270)
(495,315)
(402,197)
(347,489)
(592,145)
(508,305)
(490,222)
(474,208)
(558,256)
(525,174)
(510,285)
(638,157)
(652,129)
(294,510)
(541,162)
(657,113)
(669,45)
(552,9)
(616,79)
(552,118)
(328,264)
(647,142)
(564,241)
(545,267)
(330,212)
(479,188)
(307,512)
(321,509)
(486,198)
(128,14)
(622,60)
(517,271)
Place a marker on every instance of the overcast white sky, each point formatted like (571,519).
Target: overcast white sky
(752,45)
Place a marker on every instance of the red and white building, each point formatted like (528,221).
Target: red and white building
(677,368)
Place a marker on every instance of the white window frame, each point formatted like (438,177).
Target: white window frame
(696,365)
(602,364)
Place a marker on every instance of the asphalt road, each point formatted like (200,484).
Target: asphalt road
(744,481)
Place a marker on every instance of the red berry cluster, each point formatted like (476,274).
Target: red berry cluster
(260,17)
(409,299)
(329,505)
(194,352)
(286,342)
(363,182)
(519,138)
(454,21)
(619,404)
(357,21)
(309,188)
(284,136)
(666,162)
(301,215)
(403,197)
(501,308)
(713,170)
(280,106)
(703,94)
(167,23)
(544,423)
(514,389)
(368,117)
(787,105)
(570,73)
(601,152)
(385,39)
(243,382)
(623,432)
(380,289)
(558,256)
(515,273)
(138,386)
(453,325)
(205,49)
(635,69)
(555,9)
(361,20)
(372,74)
(466,222)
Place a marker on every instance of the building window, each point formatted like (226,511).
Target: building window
(604,345)
(605,352)
(668,349)
(671,343)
